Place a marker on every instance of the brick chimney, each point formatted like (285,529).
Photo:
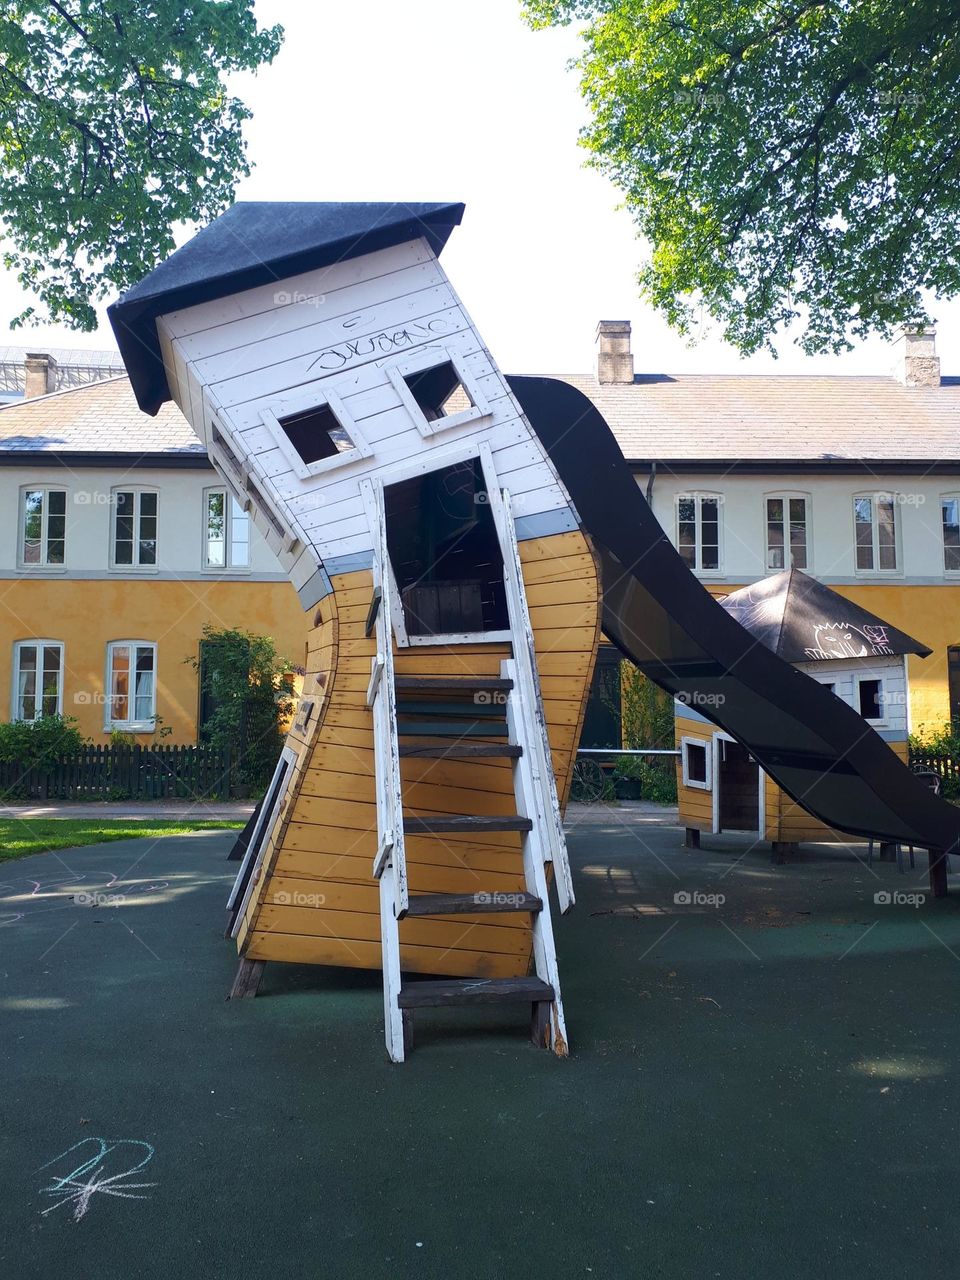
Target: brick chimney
(916,363)
(614,357)
(40,374)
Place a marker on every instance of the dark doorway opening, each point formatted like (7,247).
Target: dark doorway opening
(738,778)
(445,552)
(601,721)
(953,682)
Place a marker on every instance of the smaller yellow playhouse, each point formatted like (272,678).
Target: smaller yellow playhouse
(858,656)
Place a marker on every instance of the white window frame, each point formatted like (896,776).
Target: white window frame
(785,496)
(704,744)
(876,571)
(426,358)
(130,726)
(697,496)
(135,567)
(15,691)
(229,498)
(43,563)
(316,399)
(858,681)
(947,497)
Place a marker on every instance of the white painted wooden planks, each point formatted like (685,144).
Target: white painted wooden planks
(268,347)
(296,290)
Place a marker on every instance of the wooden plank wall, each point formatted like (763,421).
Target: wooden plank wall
(695,804)
(317,901)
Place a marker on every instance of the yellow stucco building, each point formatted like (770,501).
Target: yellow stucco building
(118,546)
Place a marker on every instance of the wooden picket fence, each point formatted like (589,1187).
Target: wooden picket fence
(120,772)
(946,766)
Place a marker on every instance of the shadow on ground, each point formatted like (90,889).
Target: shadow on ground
(763,1081)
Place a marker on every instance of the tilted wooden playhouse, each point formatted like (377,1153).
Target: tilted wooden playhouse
(433,516)
(861,660)
(453,601)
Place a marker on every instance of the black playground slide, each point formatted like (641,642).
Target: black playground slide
(816,747)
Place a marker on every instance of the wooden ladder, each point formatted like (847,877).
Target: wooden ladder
(409,709)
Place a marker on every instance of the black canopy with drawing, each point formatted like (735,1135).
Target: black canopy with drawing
(802,620)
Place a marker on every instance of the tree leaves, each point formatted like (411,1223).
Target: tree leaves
(785,158)
(114,126)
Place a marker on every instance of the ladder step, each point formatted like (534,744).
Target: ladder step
(481,683)
(465,822)
(423,995)
(452,728)
(463,710)
(465,749)
(455,904)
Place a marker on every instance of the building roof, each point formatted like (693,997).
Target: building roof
(802,620)
(777,417)
(254,243)
(101,417)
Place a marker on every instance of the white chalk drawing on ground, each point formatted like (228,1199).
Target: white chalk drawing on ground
(91,1177)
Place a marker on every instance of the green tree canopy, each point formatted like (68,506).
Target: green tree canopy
(115,125)
(783,158)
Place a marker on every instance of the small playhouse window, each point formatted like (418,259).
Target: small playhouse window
(695,759)
(438,390)
(870,698)
(439,393)
(317,434)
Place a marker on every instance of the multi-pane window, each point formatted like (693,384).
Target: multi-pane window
(226,543)
(37,679)
(875,530)
(43,527)
(950,522)
(134,528)
(131,684)
(787,521)
(698,531)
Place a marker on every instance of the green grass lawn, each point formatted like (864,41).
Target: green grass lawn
(22,836)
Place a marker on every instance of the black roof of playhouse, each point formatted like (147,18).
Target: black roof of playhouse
(801,620)
(253,243)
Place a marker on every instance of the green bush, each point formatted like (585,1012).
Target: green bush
(40,743)
(249,686)
(647,721)
(939,740)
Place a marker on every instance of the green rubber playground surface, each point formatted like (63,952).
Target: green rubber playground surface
(763,1086)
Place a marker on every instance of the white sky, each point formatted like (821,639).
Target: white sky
(454,100)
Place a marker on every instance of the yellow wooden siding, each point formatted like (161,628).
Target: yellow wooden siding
(695,804)
(316,900)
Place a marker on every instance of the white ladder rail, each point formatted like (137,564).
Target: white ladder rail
(534,868)
(531,723)
(390,864)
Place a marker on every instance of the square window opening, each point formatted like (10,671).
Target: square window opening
(439,391)
(870,695)
(695,763)
(316,434)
